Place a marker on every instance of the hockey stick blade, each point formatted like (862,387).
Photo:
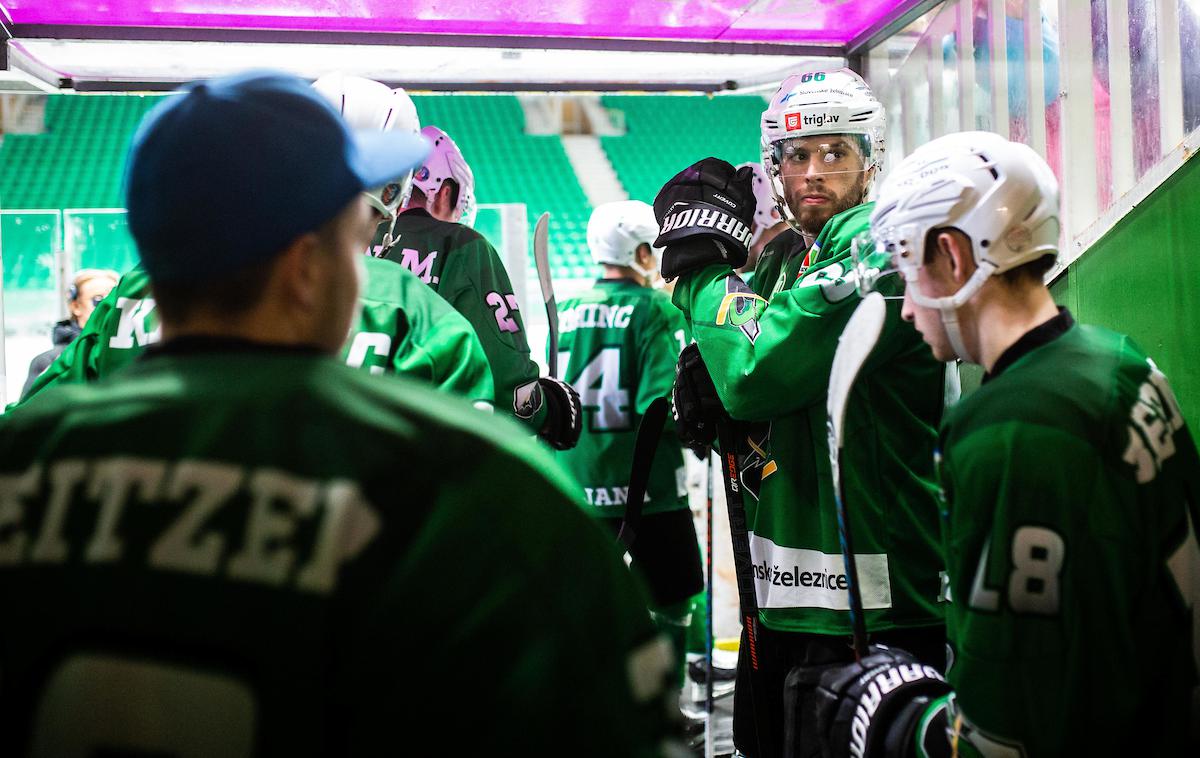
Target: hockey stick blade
(854,347)
(541,259)
(650,430)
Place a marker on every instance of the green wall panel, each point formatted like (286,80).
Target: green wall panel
(1143,279)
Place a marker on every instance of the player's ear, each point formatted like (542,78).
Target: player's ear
(444,202)
(645,257)
(300,269)
(955,248)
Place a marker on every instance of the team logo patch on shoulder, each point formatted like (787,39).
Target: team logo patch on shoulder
(740,308)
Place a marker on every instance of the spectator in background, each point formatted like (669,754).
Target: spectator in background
(91,285)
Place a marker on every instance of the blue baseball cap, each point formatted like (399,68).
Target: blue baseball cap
(230,172)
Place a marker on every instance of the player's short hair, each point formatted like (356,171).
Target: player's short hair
(231,295)
(419,198)
(1033,272)
(931,241)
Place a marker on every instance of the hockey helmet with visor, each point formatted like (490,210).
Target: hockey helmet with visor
(822,123)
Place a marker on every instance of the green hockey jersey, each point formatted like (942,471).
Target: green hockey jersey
(462,267)
(1072,491)
(253,550)
(618,344)
(772,363)
(400,328)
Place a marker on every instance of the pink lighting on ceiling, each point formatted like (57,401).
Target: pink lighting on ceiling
(819,22)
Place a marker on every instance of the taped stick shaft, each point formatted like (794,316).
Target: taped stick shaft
(743,564)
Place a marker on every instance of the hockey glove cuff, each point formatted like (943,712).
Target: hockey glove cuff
(564,414)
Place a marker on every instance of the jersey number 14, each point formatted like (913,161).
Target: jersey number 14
(600,391)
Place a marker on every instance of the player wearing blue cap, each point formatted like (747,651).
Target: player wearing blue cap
(240,546)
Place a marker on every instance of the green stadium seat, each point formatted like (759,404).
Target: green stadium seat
(79,161)
(667,133)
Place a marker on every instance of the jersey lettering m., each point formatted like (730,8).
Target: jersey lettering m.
(457,262)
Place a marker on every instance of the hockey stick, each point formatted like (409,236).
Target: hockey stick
(644,447)
(743,565)
(854,346)
(709,741)
(541,259)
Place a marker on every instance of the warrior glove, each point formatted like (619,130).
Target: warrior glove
(871,708)
(695,405)
(705,215)
(564,414)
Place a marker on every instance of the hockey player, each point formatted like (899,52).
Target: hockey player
(1071,493)
(771,363)
(618,346)
(402,326)
(244,548)
(461,266)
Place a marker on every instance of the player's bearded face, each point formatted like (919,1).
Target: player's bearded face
(822,176)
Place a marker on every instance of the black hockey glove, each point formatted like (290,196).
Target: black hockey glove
(564,414)
(695,405)
(872,708)
(705,215)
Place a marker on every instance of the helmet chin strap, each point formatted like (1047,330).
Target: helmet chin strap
(948,306)
(950,323)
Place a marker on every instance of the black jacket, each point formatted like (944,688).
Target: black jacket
(63,334)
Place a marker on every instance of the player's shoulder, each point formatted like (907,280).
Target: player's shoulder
(387,282)
(658,303)
(420,229)
(338,405)
(461,235)
(783,243)
(134,283)
(1072,384)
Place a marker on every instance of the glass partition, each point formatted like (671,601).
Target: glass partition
(1103,89)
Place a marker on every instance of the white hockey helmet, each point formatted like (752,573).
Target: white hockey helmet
(616,230)
(1000,194)
(766,209)
(446,161)
(816,103)
(369,105)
